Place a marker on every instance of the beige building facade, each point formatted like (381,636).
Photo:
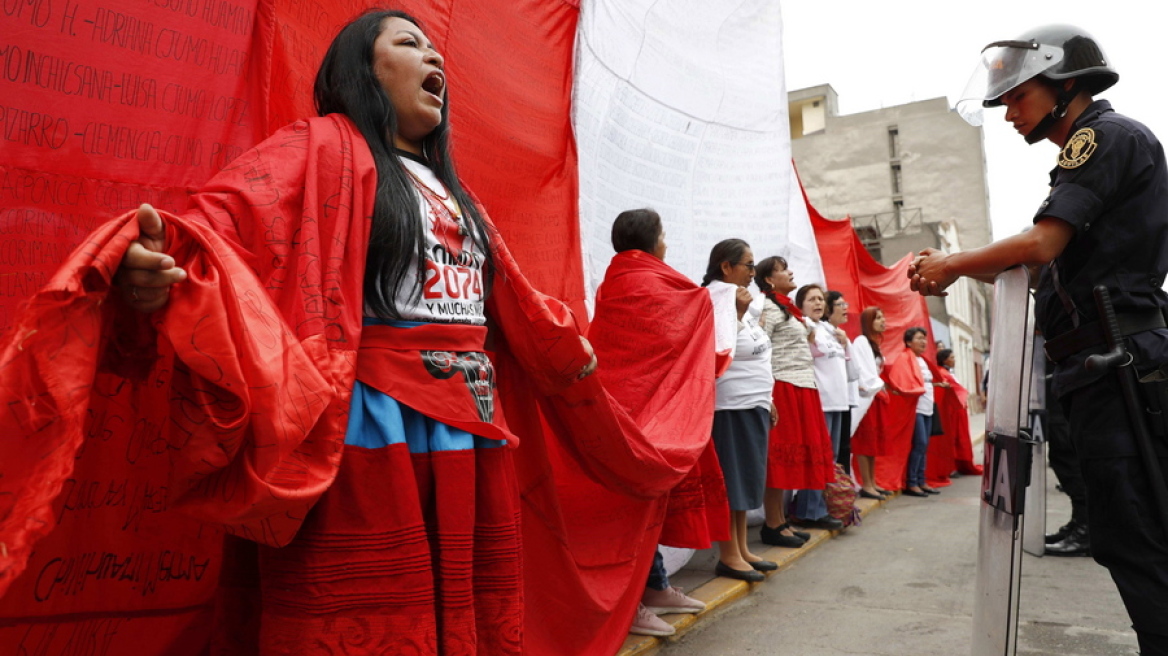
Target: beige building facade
(911,176)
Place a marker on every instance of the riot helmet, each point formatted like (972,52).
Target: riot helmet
(1055,52)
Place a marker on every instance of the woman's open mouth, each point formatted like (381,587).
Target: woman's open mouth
(434,84)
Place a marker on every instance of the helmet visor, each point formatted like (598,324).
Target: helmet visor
(1003,66)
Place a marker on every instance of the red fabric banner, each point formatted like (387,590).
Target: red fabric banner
(653,333)
(864,282)
(111,103)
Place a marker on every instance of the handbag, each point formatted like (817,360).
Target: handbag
(840,495)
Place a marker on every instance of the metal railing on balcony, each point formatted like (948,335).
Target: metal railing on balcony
(872,229)
(906,221)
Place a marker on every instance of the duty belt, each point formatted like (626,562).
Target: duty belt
(1090,334)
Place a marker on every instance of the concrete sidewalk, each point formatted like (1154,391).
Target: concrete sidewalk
(904,582)
(698,580)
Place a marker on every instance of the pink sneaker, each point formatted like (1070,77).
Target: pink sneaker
(670,600)
(646,623)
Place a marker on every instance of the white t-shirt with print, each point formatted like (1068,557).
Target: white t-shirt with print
(747,383)
(831,368)
(453,288)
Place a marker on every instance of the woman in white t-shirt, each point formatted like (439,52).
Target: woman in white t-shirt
(743,412)
(835,314)
(828,354)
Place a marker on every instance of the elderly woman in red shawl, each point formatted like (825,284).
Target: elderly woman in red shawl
(916,343)
(906,385)
(654,331)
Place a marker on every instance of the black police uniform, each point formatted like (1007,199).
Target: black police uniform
(1111,185)
(1060,453)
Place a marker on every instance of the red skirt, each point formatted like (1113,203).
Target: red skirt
(869,438)
(799,454)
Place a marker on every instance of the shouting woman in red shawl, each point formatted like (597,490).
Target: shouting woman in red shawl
(307,369)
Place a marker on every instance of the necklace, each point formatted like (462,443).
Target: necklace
(445,209)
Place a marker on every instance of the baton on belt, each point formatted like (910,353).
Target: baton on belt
(1119,359)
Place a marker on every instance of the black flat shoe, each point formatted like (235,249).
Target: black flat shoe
(883,491)
(868,495)
(749,575)
(931,490)
(827,523)
(775,538)
(764,566)
(914,493)
(802,535)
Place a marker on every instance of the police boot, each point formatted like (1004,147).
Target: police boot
(1076,543)
(1062,533)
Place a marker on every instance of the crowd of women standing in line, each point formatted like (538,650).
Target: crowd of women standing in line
(391,514)
(799,404)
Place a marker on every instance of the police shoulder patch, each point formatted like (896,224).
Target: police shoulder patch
(1078,150)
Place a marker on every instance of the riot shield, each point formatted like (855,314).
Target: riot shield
(1007,465)
(1034,528)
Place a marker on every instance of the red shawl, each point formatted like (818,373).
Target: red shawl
(653,330)
(124,465)
(786,303)
(653,333)
(226,408)
(905,385)
(953,450)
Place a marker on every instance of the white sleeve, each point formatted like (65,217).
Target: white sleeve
(869,380)
(725,317)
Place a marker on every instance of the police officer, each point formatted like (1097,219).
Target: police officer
(1104,222)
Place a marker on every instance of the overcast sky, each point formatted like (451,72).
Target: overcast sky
(890,52)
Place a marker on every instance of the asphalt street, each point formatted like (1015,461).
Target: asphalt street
(903,584)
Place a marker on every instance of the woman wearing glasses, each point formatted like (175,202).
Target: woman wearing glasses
(743,412)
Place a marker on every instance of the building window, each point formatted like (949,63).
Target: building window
(896,190)
(898,213)
(893,142)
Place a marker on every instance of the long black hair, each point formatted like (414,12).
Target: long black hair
(346,84)
(727,250)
